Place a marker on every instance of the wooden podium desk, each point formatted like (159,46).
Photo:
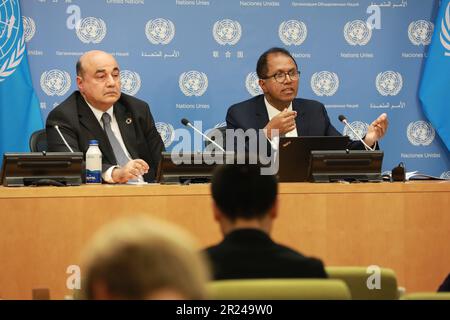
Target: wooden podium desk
(403,226)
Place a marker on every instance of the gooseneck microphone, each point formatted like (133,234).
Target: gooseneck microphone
(343,119)
(186,122)
(62,137)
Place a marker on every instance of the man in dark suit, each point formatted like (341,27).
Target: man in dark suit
(245,205)
(279,109)
(123,125)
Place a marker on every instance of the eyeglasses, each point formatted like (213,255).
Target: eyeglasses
(280,77)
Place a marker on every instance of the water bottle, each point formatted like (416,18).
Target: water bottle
(93,163)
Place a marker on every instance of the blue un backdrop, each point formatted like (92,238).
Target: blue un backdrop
(194,58)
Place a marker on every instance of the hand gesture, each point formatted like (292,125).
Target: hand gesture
(132,170)
(376,130)
(284,122)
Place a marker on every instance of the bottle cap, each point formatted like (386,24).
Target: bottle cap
(93,142)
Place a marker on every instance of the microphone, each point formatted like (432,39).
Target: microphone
(62,137)
(186,122)
(343,119)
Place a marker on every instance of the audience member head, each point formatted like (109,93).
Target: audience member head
(142,258)
(98,79)
(243,197)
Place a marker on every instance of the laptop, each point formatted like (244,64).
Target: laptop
(294,154)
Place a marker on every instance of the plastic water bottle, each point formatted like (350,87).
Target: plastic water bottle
(93,163)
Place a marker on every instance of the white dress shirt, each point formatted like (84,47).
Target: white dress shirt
(272,112)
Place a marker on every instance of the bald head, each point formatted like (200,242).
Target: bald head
(88,57)
(98,79)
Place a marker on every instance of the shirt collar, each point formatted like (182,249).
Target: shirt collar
(99,113)
(272,111)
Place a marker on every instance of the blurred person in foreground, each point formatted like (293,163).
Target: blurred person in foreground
(142,258)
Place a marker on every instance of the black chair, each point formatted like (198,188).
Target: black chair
(220,131)
(38,141)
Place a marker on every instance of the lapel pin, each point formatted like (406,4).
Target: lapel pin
(128,121)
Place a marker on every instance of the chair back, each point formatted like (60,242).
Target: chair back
(427,296)
(38,141)
(278,289)
(363,285)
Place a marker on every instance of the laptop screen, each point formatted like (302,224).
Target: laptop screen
(294,154)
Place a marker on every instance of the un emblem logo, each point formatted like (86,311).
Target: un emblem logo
(445,175)
(445,31)
(420,133)
(12,43)
(252,85)
(29,28)
(160,31)
(420,32)
(292,32)
(389,83)
(55,82)
(357,32)
(227,31)
(91,30)
(324,83)
(166,132)
(360,128)
(193,83)
(130,82)
(221,125)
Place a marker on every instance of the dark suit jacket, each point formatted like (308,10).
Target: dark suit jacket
(445,286)
(312,118)
(251,253)
(78,125)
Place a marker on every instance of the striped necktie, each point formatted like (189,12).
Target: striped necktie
(121,158)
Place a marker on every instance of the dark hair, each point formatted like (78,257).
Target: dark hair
(79,68)
(241,191)
(261,65)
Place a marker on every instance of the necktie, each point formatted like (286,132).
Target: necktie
(119,153)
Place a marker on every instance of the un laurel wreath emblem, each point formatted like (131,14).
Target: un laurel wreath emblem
(389,83)
(252,85)
(360,128)
(12,39)
(55,82)
(166,131)
(357,32)
(420,32)
(292,32)
(29,28)
(130,82)
(420,133)
(160,31)
(91,30)
(445,31)
(325,83)
(193,83)
(227,31)
(220,124)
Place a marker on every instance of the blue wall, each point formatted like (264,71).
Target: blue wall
(322,35)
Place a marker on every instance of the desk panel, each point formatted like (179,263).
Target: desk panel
(403,226)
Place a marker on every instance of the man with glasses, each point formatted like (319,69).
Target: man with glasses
(279,109)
